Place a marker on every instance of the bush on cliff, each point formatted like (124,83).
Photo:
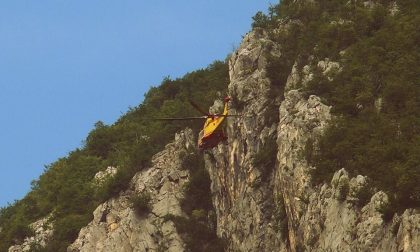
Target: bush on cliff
(375,94)
(141,203)
(197,235)
(265,158)
(197,194)
(199,227)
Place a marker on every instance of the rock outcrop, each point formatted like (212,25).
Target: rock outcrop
(102,176)
(43,230)
(278,208)
(273,207)
(117,227)
(243,201)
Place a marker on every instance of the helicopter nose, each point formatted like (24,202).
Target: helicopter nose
(227,98)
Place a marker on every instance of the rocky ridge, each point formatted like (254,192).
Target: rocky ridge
(116,227)
(253,204)
(43,230)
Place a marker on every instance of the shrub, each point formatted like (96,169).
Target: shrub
(66,231)
(114,185)
(265,158)
(35,247)
(141,203)
(278,70)
(197,195)
(199,215)
(193,162)
(197,230)
(99,141)
(388,210)
(20,231)
(260,20)
(280,218)
(343,188)
(197,236)
(363,196)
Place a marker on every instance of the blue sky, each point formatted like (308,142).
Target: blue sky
(65,64)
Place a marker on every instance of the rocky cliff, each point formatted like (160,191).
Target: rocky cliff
(117,227)
(258,207)
(43,230)
(277,208)
(262,189)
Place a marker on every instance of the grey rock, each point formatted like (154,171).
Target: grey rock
(102,176)
(43,229)
(340,184)
(115,226)
(248,199)
(236,183)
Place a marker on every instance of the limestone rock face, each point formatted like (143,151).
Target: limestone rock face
(278,208)
(243,202)
(43,230)
(101,176)
(116,227)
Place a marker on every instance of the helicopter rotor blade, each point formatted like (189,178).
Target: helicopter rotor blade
(221,115)
(180,118)
(193,117)
(202,111)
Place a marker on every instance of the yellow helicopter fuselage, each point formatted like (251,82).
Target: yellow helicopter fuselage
(212,133)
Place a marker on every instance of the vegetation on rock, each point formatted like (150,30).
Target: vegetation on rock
(280,218)
(197,236)
(197,195)
(265,158)
(375,93)
(66,189)
(141,203)
(198,229)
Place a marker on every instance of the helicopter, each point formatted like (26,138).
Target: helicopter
(212,133)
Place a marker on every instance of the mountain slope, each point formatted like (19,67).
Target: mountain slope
(325,158)
(67,190)
(116,226)
(287,181)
